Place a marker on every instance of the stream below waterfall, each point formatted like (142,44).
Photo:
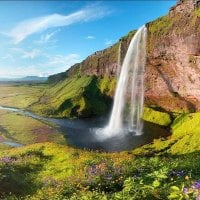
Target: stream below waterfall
(81,133)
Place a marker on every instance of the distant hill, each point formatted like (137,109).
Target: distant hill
(33,78)
(25,79)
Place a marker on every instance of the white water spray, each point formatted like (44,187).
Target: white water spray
(132,72)
(119,60)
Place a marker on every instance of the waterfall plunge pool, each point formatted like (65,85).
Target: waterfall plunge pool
(82,133)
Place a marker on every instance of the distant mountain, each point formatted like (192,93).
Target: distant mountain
(33,78)
(25,79)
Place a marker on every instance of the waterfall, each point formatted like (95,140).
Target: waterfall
(131,75)
(119,60)
(137,86)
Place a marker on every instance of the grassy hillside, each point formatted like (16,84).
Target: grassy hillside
(184,139)
(76,97)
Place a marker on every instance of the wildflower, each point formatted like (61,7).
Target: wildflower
(196,185)
(7,160)
(185,190)
(187,178)
(198,198)
(177,173)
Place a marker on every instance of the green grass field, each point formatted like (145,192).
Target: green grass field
(20,96)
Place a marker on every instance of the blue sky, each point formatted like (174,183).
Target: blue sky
(46,37)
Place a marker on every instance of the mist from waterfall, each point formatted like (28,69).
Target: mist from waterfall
(130,80)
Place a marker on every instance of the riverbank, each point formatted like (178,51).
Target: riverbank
(17,130)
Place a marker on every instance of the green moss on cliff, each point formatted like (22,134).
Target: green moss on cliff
(57,77)
(186,124)
(161,26)
(186,144)
(184,139)
(156,117)
(128,36)
(197,12)
(185,134)
(107,85)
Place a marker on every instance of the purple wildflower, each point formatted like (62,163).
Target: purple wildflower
(185,190)
(198,198)
(7,160)
(177,173)
(196,185)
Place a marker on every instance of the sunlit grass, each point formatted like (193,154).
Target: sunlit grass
(26,130)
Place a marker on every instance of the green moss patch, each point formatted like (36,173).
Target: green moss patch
(107,85)
(186,124)
(156,117)
(161,26)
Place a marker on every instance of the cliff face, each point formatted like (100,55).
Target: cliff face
(105,63)
(173,68)
(173,64)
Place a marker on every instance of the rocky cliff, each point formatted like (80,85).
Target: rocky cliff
(173,64)
(173,68)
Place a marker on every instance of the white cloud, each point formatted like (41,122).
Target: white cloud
(90,37)
(47,37)
(65,61)
(31,54)
(59,63)
(28,54)
(54,64)
(20,71)
(28,27)
(7,56)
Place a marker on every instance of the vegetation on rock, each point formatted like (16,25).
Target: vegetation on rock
(161,26)
(156,117)
(186,124)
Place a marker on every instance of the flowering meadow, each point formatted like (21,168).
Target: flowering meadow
(56,172)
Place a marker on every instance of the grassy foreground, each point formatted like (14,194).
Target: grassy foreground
(51,171)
